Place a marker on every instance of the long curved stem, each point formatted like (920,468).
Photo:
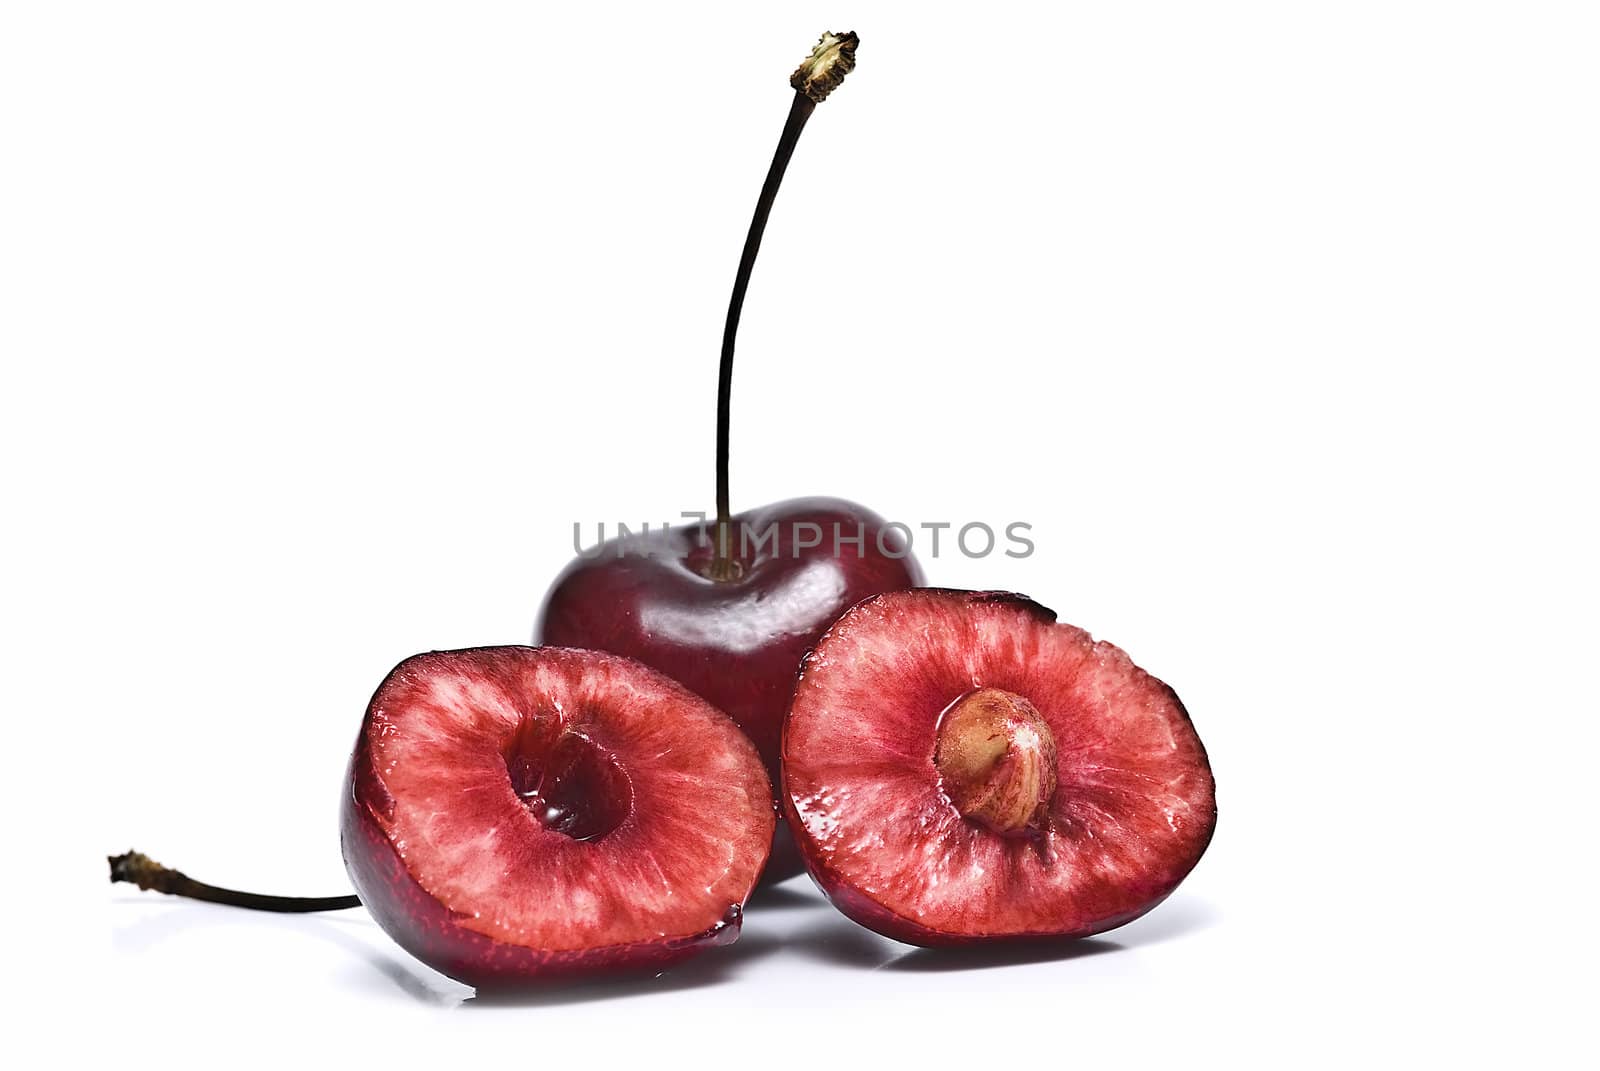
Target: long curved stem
(141,870)
(799,112)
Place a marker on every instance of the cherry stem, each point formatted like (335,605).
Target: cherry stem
(799,112)
(141,870)
(831,59)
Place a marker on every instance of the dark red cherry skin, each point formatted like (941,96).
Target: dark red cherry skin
(736,643)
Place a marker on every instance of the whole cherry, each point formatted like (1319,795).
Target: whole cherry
(729,606)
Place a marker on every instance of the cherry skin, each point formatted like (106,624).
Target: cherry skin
(737,642)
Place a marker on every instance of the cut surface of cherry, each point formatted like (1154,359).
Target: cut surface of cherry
(513,814)
(958,767)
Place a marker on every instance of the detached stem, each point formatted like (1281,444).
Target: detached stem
(141,870)
(820,73)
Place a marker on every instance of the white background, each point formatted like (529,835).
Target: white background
(323,322)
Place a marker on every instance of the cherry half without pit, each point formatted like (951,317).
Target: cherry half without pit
(729,606)
(515,815)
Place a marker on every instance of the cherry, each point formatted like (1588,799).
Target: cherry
(514,815)
(728,607)
(958,768)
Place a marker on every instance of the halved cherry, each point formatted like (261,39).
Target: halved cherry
(517,813)
(958,767)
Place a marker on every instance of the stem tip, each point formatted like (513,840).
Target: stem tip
(821,72)
(139,869)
